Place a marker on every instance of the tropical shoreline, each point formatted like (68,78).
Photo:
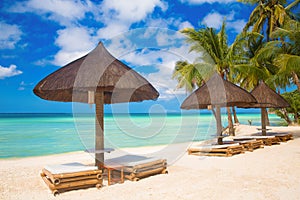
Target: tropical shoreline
(268,173)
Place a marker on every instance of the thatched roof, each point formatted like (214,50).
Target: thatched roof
(217,91)
(267,98)
(96,71)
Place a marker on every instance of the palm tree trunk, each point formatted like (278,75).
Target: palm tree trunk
(230,122)
(214,112)
(286,116)
(263,121)
(296,118)
(236,120)
(99,127)
(267,118)
(296,80)
(219,125)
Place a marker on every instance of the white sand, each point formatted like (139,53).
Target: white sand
(269,173)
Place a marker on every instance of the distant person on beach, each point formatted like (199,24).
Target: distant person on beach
(250,122)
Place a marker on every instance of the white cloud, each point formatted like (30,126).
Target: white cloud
(159,22)
(74,39)
(176,23)
(130,11)
(10,35)
(112,30)
(115,19)
(185,24)
(63,57)
(237,25)
(198,2)
(6,72)
(160,61)
(74,43)
(215,20)
(58,10)
(24,85)
(162,80)
(118,16)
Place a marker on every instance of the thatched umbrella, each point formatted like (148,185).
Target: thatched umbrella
(217,92)
(266,98)
(98,78)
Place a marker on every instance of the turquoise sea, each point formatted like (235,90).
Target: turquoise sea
(23,135)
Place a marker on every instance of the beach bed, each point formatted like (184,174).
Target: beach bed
(66,177)
(135,170)
(225,150)
(283,137)
(249,145)
(267,140)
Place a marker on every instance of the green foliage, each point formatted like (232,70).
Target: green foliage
(213,57)
(270,14)
(284,54)
(187,75)
(248,69)
(293,98)
(275,61)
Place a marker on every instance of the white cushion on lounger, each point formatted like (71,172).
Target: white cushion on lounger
(69,168)
(218,146)
(252,137)
(246,141)
(131,163)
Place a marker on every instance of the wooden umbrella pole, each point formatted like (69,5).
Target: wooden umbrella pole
(263,121)
(99,139)
(219,124)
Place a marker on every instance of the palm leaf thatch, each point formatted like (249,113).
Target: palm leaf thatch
(266,98)
(220,92)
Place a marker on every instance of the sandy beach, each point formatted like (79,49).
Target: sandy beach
(269,173)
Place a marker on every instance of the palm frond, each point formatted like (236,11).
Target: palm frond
(288,63)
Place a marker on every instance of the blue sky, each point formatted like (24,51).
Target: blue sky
(37,37)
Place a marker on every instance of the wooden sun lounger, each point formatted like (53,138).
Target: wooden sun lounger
(267,140)
(225,150)
(66,177)
(283,137)
(136,170)
(250,145)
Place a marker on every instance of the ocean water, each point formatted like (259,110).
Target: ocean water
(23,135)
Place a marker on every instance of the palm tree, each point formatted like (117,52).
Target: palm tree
(268,14)
(248,68)
(285,54)
(214,56)
(187,75)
